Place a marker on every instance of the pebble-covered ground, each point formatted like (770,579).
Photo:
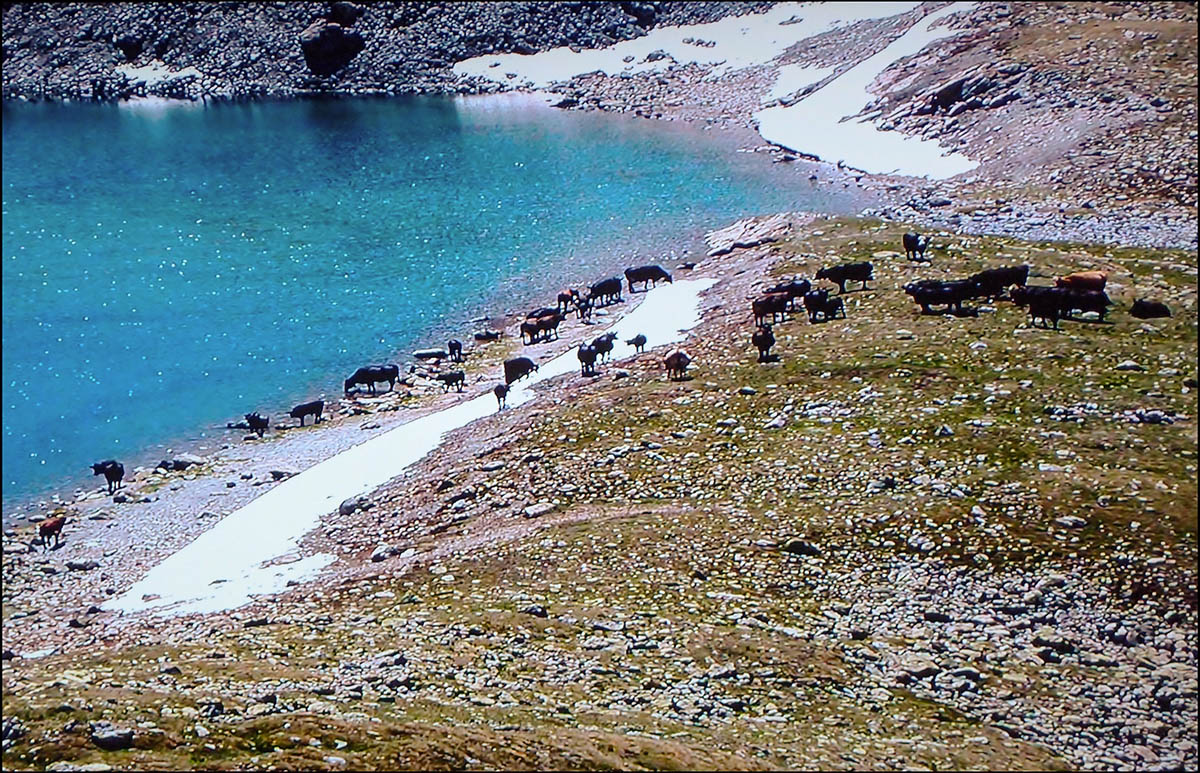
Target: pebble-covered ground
(915,541)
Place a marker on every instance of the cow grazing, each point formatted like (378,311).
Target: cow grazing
(772,304)
(529,330)
(454,378)
(517,368)
(313,409)
(1143,309)
(818,304)
(847,272)
(646,275)
(932,292)
(587,360)
(51,527)
(797,288)
(454,346)
(1046,307)
(567,299)
(915,246)
(1083,280)
(1083,301)
(604,345)
(993,282)
(1049,304)
(763,339)
(369,375)
(501,393)
(258,423)
(113,472)
(606,291)
(583,307)
(549,324)
(676,363)
(638,342)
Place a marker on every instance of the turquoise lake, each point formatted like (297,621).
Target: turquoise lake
(168,268)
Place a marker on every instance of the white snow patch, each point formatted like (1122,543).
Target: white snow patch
(815,124)
(226,566)
(739,42)
(791,78)
(155,73)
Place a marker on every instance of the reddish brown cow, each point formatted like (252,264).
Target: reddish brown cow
(51,527)
(1083,280)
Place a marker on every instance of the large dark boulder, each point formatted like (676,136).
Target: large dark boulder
(328,46)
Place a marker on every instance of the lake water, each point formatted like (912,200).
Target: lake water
(169,267)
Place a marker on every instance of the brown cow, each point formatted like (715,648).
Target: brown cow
(51,527)
(1083,280)
(676,364)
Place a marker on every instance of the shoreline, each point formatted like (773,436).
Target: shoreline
(207,440)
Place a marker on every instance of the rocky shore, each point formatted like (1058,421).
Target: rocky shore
(915,541)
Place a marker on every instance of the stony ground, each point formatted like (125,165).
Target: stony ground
(914,541)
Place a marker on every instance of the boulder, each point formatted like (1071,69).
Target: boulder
(350,505)
(111,738)
(83,566)
(800,547)
(540,509)
(431,354)
(328,46)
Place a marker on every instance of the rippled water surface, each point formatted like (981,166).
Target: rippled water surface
(170,267)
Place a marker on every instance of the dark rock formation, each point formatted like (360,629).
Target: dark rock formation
(328,47)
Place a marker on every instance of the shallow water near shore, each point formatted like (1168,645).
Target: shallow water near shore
(168,267)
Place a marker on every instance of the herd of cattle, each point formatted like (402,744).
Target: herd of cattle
(1082,291)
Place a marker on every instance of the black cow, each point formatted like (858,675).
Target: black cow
(454,346)
(915,246)
(587,360)
(113,472)
(794,289)
(313,409)
(371,374)
(1044,306)
(774,304)
(454,378)
(1143,309)
(1084,300)
(1045,303)
(763,339)
(993,282)
(606,291)
(583,307)
(604,345)
(818,303)
(638,342)
(258,423)
(847,272)
(517,368)
(932,292)
(501,393)
(646,275)
(487,335)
